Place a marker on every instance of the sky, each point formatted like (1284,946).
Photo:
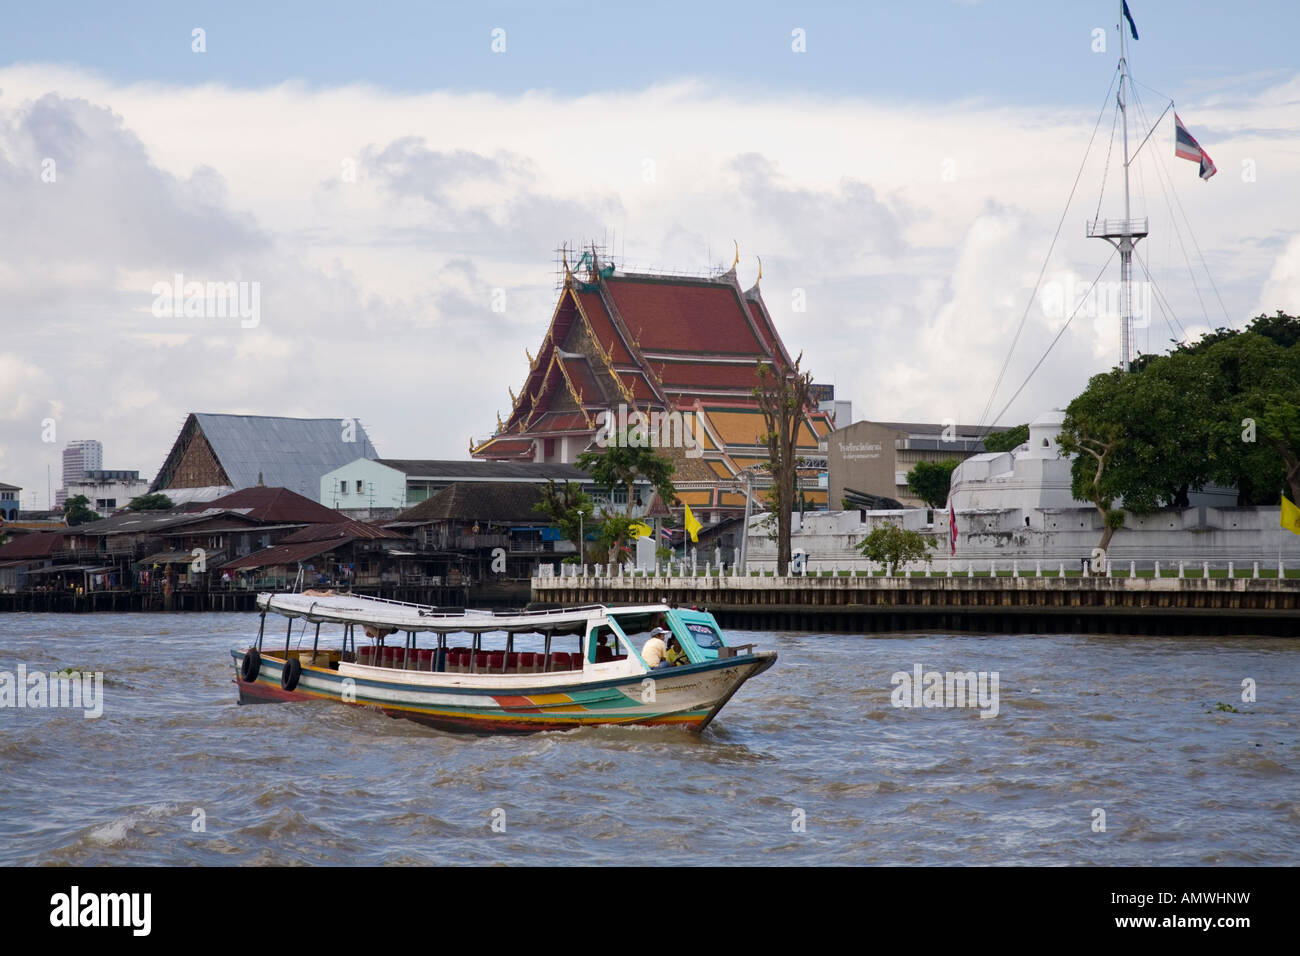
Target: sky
(388,184)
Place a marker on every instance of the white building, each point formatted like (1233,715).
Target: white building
(395,484)
(79,457)
(108,490)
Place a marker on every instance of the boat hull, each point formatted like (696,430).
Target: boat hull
(688,697)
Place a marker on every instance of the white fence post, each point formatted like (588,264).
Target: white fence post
(1231,571)
(1132,569)
(1180,569)
(1038,569)
(1205,569)
(1255,573)
(1157,572)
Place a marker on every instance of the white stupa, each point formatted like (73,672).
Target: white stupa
(1031,477)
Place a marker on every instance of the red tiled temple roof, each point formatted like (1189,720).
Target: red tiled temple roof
(672,343)
(685,316)
(603,327)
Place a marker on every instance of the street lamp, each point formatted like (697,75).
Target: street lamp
(582,540)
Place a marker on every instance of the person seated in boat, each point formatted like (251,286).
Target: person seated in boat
(675,656)
(655,652)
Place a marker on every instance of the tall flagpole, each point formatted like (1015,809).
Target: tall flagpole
(1126,242)
(1123,233)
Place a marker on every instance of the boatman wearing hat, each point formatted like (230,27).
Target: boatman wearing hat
(655,650)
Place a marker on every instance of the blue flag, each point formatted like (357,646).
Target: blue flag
(1129,17)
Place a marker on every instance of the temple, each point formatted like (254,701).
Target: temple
(681,350)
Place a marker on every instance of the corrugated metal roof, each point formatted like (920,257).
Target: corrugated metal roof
(38,545)
(283,554)
(503,501)
(346,529)
(278,505)
(289,453)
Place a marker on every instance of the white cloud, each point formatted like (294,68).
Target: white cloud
(914,231)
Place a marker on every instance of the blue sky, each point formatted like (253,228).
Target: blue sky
(1019,51)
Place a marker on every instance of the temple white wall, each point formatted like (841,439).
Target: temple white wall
(1217,535)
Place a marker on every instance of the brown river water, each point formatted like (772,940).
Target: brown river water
(811,763)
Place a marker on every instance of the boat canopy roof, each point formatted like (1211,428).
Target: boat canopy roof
(382,613)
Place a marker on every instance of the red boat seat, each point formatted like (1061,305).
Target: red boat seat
(365,655)
(528,662)
(496,661)
(426,660)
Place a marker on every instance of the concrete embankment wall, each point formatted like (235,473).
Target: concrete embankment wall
(1193,535)
(1173,606)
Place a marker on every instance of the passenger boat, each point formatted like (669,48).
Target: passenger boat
(488,673)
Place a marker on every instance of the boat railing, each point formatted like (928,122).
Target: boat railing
(428,613)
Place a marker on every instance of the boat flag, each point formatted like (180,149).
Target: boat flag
(692,526)
(1129,17)
(952,529)
(1290,518)
(639,529)
(1186,147)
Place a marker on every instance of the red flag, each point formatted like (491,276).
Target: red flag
(952,528)
(1186,147)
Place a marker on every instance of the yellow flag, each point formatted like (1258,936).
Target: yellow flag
(692,526)
(640,529)
(1290,516)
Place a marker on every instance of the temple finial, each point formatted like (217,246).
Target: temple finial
(735,262)
(760,270)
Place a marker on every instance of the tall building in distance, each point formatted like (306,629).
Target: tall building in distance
(78,458)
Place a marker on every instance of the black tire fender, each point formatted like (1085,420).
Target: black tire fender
(250,666)
(290,673)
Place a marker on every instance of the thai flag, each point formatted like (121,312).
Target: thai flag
(665,534)
(952,528)
(1186,147)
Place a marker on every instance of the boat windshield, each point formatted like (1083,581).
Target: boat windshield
(705,635)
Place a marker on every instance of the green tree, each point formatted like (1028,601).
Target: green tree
(895,546)
(1006,440)
(1091,433)
(562,503)
(76,510)
(1258,433)
(628,459)
(154,502)
(614,529)
(784,397)
(930,481)
(1224,409)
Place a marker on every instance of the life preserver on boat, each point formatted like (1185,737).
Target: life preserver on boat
(251,665)
(290,673)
